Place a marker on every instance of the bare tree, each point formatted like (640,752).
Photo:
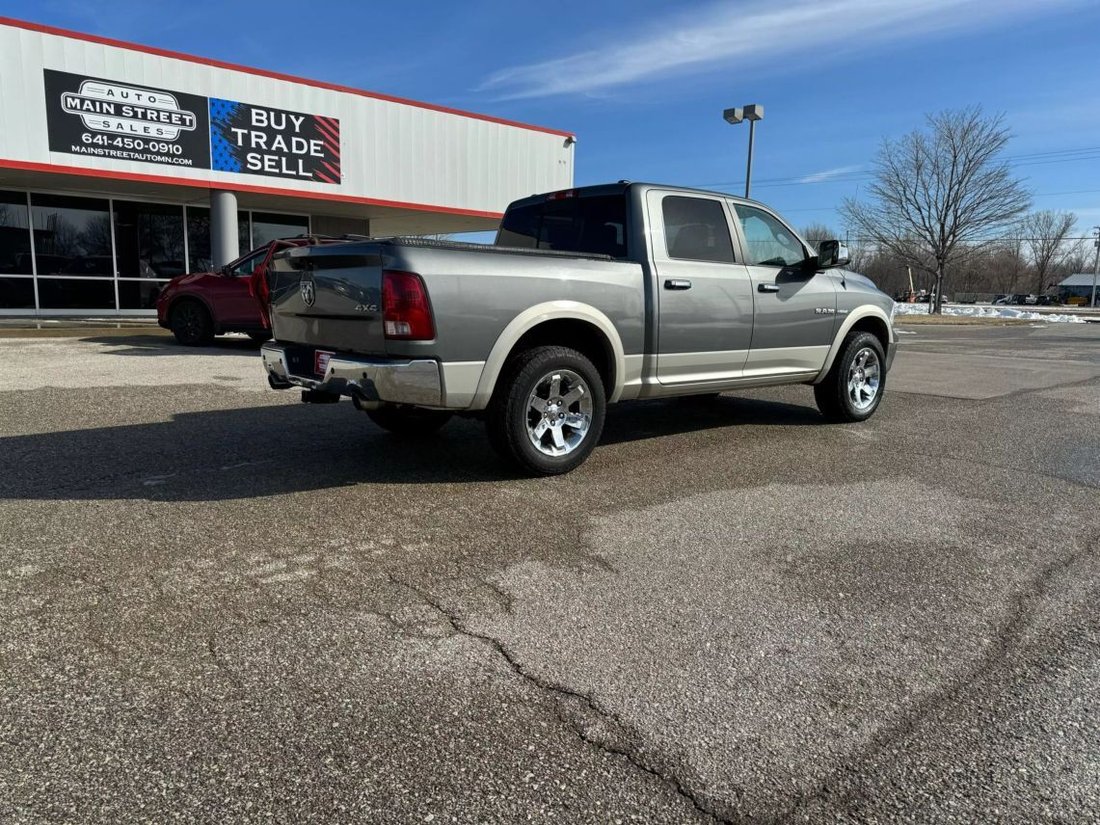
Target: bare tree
(858,253)
(938,193)
(1045,234)
(1079,259)
(858,256)
(815,233)
(1011,262)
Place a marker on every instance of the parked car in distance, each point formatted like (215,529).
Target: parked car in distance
(200,305)
(921,296)
(590,296)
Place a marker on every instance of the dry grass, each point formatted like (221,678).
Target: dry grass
(958,320)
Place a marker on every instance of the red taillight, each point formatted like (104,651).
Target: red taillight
(406,313)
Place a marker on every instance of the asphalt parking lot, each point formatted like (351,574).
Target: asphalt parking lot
(218,604)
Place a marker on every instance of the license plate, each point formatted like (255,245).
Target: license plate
(320,361)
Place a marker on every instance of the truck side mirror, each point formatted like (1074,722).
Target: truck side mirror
(831,254)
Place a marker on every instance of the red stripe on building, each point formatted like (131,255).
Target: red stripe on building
(169,180)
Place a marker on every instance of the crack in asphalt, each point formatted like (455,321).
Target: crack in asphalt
(506,600)
(1004,642)
(563,694)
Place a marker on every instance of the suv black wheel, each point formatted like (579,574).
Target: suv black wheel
(853,388)
(547,412)
(191,324)
(409,422)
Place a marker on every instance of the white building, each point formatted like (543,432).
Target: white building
(123,165)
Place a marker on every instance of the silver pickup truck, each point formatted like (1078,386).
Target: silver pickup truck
(589,296)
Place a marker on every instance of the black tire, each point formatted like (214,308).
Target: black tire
(510,413)
(409,422)
(191,323)
(260,337)
(835,397)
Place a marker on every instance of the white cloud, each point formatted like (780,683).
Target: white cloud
(828,174)
(727,33)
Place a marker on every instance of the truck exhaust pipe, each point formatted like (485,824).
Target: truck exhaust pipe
(363,405)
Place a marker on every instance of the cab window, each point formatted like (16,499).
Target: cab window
(767,241)
(696,230)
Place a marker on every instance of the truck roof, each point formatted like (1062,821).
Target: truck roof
(619,188)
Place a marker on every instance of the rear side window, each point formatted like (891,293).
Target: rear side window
(696,230)
(591,225)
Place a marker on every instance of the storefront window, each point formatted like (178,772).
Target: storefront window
(198,238)
(244,232)
(98,254)
(267,227)
(148,240)
(72,236)
(16,285)
(76,293)
(15,240)
(140,294)
(16,293)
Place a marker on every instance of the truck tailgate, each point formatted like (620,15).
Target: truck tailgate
(329,296)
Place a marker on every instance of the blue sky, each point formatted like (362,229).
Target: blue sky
(643,83)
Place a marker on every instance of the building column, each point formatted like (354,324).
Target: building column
(224,243)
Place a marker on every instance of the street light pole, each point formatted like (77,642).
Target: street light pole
(748,170)
(752,113)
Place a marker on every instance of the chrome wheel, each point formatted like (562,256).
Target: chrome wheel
(864,378)
(559,413)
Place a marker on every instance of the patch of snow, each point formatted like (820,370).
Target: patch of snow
(972,311)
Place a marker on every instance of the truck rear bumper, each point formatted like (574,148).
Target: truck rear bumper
(368,379)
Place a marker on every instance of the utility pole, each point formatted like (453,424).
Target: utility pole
(1095,266)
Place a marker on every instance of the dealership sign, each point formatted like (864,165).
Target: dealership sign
(110,107)
(262,141)
(120,121)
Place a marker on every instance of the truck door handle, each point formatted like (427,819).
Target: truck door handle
(677,283)
(767,287)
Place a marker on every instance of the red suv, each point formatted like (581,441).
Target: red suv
(199,305)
